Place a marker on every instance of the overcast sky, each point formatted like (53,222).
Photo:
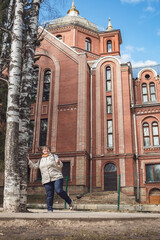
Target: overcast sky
(138,20)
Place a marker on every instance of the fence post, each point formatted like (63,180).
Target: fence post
(119,185)
(66,179)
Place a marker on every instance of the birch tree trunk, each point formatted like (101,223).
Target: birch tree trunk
(6,35)
(25,98)
(12,177)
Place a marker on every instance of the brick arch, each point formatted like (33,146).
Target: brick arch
(103,62)
(55,97)
(150,118)
(145,70)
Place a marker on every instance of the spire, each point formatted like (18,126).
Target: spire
(73,11)
(109,28)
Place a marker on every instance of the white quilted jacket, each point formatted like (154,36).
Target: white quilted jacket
(49,168)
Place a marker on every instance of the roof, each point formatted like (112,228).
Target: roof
(138,69)
(67,20)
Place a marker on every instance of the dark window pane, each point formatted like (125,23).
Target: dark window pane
(110,167)
(39,177)
(149,173)
(109,46)
(34,85)
(43,132)
(88,44)
(153,173)
(66,170)
(157,172)
(46,85)
(31,130)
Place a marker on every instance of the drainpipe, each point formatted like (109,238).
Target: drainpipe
(91,137)
(135,136)
(74,36)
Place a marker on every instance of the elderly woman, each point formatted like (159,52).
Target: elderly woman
(52,178)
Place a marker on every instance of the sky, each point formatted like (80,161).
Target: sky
(138,21)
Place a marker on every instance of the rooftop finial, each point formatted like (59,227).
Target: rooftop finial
(73,11)
(109,28)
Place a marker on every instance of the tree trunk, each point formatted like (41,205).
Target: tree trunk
(6,35)
(12,176)
(25,98)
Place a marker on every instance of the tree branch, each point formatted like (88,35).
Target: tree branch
(3,79)
(5,30)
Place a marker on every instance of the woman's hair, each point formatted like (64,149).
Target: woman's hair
(46,147)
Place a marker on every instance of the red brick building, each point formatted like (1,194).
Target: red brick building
(97,113)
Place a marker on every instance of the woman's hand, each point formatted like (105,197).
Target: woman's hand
(56,159)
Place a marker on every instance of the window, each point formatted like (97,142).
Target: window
(66,170)
(31,130)
(109,104)
(43,132)
(144,93)
(28,173)
(88,44)
(39,177)
(109,46)
(152,92)
(147,76)
(146,137)
(34,84)
(108,79)
(46,85)
(59,37)
(155,134)
(109,134)
(153,173)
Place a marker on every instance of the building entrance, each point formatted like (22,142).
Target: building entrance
(110,177)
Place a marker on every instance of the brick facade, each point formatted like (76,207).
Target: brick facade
(95,141)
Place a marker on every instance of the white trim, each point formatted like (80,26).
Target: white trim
(147,69)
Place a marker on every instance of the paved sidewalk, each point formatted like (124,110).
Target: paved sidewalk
(77,215)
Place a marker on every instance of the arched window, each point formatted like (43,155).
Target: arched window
(155,134)
(34,84)
(59,37)
(43,132)
(146,137)
(109,104)
(108,79)
(152,92)
(144,93)
(46,85)
(109,134)
(31,130)
(109,46)
(88,44)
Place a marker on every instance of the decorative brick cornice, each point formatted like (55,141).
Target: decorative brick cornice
(148,110)
(67,107)
(152,149)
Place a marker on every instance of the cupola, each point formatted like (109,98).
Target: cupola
(109,28)
(73,11)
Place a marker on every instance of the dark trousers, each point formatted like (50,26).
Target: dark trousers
(58,187)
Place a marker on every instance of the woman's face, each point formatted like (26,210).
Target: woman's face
(45,150)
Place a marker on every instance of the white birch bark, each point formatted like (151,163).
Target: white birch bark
(12,179)
(25,99)
(6,35)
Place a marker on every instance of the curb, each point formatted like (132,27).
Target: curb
(102,207)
